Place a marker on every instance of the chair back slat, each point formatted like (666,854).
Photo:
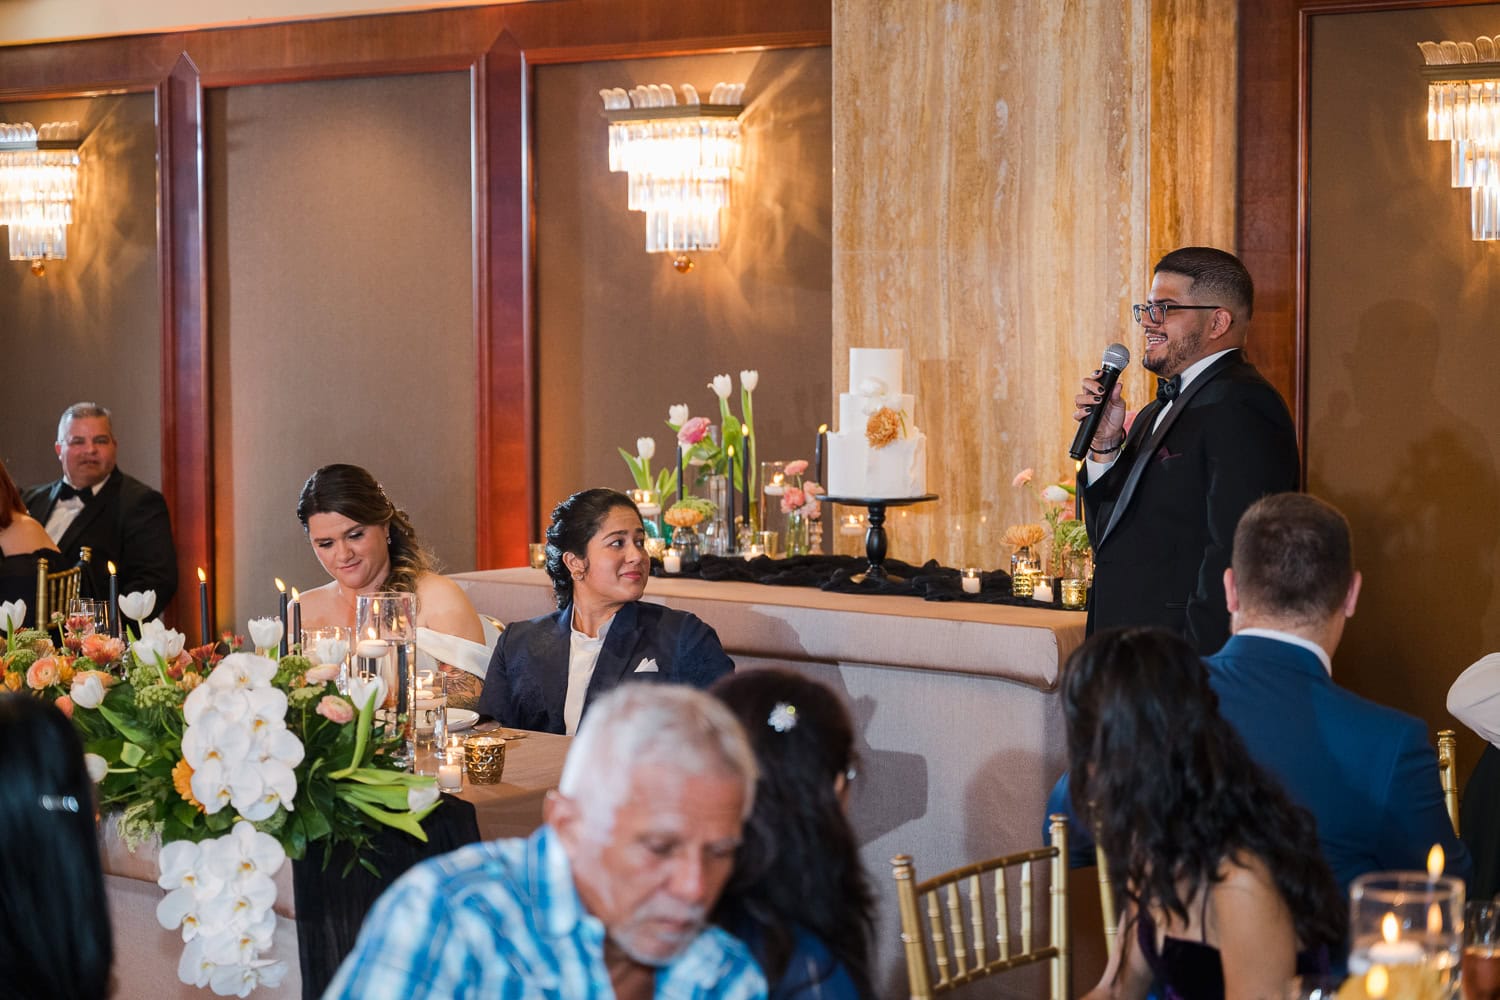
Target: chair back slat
(55,591)
(941,955)
(1108,910)
(1447,749)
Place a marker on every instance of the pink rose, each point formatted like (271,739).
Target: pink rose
(693,431)
(335,709)
(323,673)
(796,468)
(793,499)
(103,649)
(814,489)
(65,704)
(1023,477)
(42,673)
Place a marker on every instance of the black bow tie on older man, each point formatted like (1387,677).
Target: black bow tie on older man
(1168,388)
(66,492)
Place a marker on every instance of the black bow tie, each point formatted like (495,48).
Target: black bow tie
(1168,388)
(66,492)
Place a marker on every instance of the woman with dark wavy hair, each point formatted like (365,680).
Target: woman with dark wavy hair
(798,896)
(545,672)
(1226,892)
(367,544)
(55,939)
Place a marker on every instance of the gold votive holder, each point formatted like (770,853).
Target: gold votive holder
(537,552)
(1022,582)
(485,757)
(656,547)
(1075,594)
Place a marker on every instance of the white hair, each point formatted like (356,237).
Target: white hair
(643,725)
(80,411)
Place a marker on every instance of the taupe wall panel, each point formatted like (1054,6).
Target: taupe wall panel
(1403,422)
(91,327)
(340,297)
(621,335)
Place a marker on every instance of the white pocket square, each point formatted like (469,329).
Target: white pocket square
(647,666)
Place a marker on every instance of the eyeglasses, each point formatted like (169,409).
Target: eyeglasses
(1158,310)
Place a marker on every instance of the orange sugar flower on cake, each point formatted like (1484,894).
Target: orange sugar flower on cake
(884,426)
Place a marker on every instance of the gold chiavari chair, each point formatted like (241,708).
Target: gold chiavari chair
(1108,910)
(1447,750)
(55,590)
(953,947)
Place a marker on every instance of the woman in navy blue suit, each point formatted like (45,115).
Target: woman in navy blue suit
(545,672)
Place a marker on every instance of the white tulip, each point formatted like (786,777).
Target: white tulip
(421,797)
(1055,494)
(645,449)
(677,414)
(722,385)
(363,689)
(750,379)
(265,632)
(138,604)
(331,650)
(169,641)
(147,651)
(97,766)
(12,613)
(87,692)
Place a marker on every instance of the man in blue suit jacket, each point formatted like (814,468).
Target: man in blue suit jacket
(1366,772)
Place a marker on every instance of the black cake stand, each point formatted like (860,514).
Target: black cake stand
(875,534)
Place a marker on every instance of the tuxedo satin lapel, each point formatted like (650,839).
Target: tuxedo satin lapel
(1147,452)
(107,499)
(1109,513)
(620,644)
(43,510)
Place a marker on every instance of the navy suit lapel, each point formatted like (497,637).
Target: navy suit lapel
(1146,454)
(558,648)
(613,665)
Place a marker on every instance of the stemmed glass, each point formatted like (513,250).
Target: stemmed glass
(85,617)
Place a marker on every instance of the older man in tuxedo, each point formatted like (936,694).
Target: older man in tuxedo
(1161,501)
(1366,772)
(94,504)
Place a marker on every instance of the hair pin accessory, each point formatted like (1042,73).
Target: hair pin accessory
(60,803)
(783,717)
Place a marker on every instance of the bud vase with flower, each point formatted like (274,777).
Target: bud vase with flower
(1025,564)
(799,502)
(685,516)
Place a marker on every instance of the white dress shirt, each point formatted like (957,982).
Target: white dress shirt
(1097,469)
(65,512)
(583,655)
(1295,640)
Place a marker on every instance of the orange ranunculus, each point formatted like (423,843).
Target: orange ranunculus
(13,680)
(103,649)
(182,780)
(42,673)
(64,671)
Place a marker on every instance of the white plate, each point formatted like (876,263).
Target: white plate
(461,718)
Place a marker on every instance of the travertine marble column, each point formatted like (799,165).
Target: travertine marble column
(1005,175)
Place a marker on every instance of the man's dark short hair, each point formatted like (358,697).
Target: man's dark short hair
(1218,278)
(1292,558)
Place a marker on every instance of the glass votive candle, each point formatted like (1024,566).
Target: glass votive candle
(1411,923)
(485,756)
(1075,593)
(537,553)
(656,547)
(450,777)
(648,502)
(852,524)
(1041,591)
(671,561)
(453,752)
(970,580)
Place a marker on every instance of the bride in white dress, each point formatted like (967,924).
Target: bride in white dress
(366,544)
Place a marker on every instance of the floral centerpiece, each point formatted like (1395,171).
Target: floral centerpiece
(234,761)
(1057,501)
(799,502)
(707,451)
(665,480)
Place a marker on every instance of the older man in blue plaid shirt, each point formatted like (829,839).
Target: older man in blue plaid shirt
(609,899)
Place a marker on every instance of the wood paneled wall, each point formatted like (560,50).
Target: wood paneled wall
(1004,178)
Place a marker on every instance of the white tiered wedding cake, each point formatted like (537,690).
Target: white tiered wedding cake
(877,452)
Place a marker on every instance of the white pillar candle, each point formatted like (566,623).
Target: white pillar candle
(971,581)
(671,561)
(450,777)
(1042,592)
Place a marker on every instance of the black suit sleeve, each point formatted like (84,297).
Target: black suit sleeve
(494,699)
(148,557)
(1251,452)
(699,659)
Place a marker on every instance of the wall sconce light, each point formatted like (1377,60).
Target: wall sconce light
(1463,109)
(678,158)
(38,181)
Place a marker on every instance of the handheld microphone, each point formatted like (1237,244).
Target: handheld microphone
(1116,359)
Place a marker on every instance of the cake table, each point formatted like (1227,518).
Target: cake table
(875,546)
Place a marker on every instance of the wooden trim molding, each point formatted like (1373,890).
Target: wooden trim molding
(498,46)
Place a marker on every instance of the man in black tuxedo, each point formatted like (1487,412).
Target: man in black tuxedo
(1161,502)
(121,519)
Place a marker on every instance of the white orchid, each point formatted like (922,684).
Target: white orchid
(193,968)
(215,739)
(184,865)
(331,650)
(87,692)
(12,613)
(362,689)
(182,908)
(1055,494)
(645,448)
(267,709)
(722,385)
(96,765)
(245,670)
(750,379)
(421,797)
(243,852)
(265,632)
(138,605)
(241,980)
(677,414)
(255,790)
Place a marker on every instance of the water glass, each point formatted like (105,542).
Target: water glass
(1481,960)
(536,552)
(386,641)
(87,617)
(432,709)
